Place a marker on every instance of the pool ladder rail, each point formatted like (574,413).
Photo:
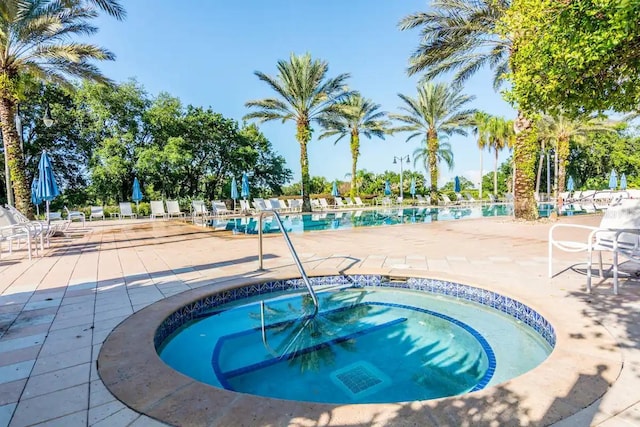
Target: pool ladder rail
(294,254)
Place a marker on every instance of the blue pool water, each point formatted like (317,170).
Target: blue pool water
(364,346)
(339,220)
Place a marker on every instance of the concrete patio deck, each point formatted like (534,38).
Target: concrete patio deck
(57,310)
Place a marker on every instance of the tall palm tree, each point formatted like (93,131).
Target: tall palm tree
(444,154)
(436,112)
(480,129)
(462,36)
(500,133)
(562,130)
(35,42)
(305,95)
(352,116)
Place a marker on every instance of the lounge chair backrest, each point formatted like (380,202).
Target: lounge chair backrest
(173,207)
(157,207)
(625,214)
(323,202)
(97,210)
(199,207)
(358,201)
(219,207)
(125,208)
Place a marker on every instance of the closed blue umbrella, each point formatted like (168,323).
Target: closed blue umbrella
(412,188)
(613,179)
(47,189)
(136,196)
(456,184)
(570,184)
(334,189)
(234,191)
(387,188)
(34,195)
(245,186)
(623,182)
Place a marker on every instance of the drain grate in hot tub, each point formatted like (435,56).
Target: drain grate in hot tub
(360,378)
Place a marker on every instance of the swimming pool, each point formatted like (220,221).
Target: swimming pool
(340,220)
(374,340)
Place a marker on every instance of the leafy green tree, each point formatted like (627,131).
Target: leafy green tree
(500,133)
(36,42)
(444,154)
(352,116)
(462,37)
(480,125)
(562,129)
(436,112)
(305,95)
(585,59)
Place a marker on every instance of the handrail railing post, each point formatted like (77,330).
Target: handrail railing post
(294,254)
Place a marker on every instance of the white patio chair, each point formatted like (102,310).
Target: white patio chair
(618,233)
(96,212)
(324,204)
(13,231)
(157,209)
(245,207)
(173,209)
(75,215)
(315,204)
(339,203)
(358,201)
(218,208)
(126,210)
(445,199)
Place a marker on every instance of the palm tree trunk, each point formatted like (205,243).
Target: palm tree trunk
(495,174)
(563,155)
(539,174)
(432,146)
(525,150)
(15,158)
(303,135)
(355,153)
(480,190)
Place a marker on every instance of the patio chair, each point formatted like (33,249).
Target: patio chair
(259,204)
(96,212)
(245,207)
(157,209)
(618,232)
(421,200)
(339,203)
(218,208)
(294,205)
(173,209)
(198,209)
(445,199)
(74,215)
(126,210)
(12,231)
(315,204)
(324,204)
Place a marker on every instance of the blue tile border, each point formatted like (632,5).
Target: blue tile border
(508,306)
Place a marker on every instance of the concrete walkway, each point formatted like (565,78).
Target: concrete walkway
(56,310)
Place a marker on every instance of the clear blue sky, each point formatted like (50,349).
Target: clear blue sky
(206,52)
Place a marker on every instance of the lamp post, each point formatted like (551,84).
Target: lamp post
(402,160)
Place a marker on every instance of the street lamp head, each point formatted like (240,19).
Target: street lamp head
(407,158)
(47,119)
(395,160)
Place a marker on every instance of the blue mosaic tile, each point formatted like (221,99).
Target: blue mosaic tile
(507,305)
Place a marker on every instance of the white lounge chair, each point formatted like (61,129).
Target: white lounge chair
(96,212)
(126,210)
(324,204)
(157,209)
(358,201)
(446,200)
(173,209)
(75,215)
(12,231)
(245,207)
(618,232)
(218,208)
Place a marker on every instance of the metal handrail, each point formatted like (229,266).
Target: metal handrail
(294,254)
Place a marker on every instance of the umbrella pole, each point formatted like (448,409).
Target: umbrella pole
(37,210)
(48,219)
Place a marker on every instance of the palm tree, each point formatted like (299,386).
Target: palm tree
(306,94)
(35,45)
(436,112)
(352,116)
(562,129)
(480,125)
(500,133)
(444,154)
(462,37)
